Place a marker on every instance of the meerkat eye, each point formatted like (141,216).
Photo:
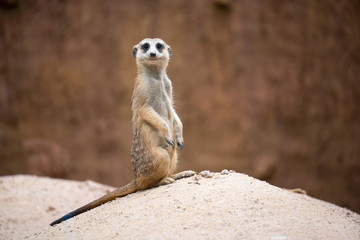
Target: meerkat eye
(145,46)
(159,46)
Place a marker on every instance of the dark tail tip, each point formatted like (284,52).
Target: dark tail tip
(64,218)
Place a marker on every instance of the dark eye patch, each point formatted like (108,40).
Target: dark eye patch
(159,47)
(145,47)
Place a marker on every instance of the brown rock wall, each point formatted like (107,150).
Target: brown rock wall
(268,88)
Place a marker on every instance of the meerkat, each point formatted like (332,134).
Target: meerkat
(157,129)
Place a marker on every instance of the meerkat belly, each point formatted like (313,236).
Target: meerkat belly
(142,156)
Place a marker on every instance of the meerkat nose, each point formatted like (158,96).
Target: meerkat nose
(152,54)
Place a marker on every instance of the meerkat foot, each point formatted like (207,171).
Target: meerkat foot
(166,181)
(297,190)
(183,174)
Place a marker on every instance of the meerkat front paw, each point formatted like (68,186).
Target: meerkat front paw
(180,144)
(179,141)
(169,141)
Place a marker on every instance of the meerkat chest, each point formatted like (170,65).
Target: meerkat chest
(160,100)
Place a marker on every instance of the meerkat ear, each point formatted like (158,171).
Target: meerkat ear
(170,52)
(134,51)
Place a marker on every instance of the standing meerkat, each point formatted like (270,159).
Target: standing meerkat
(157,128)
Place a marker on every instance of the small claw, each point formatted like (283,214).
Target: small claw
(180,144)
(171,142)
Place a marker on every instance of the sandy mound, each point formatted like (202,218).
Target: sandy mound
(28,203)
(225,206)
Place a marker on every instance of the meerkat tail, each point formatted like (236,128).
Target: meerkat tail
(120,192)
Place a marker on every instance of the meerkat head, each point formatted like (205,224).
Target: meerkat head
(152,51)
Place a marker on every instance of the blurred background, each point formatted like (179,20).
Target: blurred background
(266,88)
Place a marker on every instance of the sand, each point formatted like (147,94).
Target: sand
(211,206)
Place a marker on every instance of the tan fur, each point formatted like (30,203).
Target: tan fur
(157,129)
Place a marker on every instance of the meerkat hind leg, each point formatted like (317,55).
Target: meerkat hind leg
(183,174)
